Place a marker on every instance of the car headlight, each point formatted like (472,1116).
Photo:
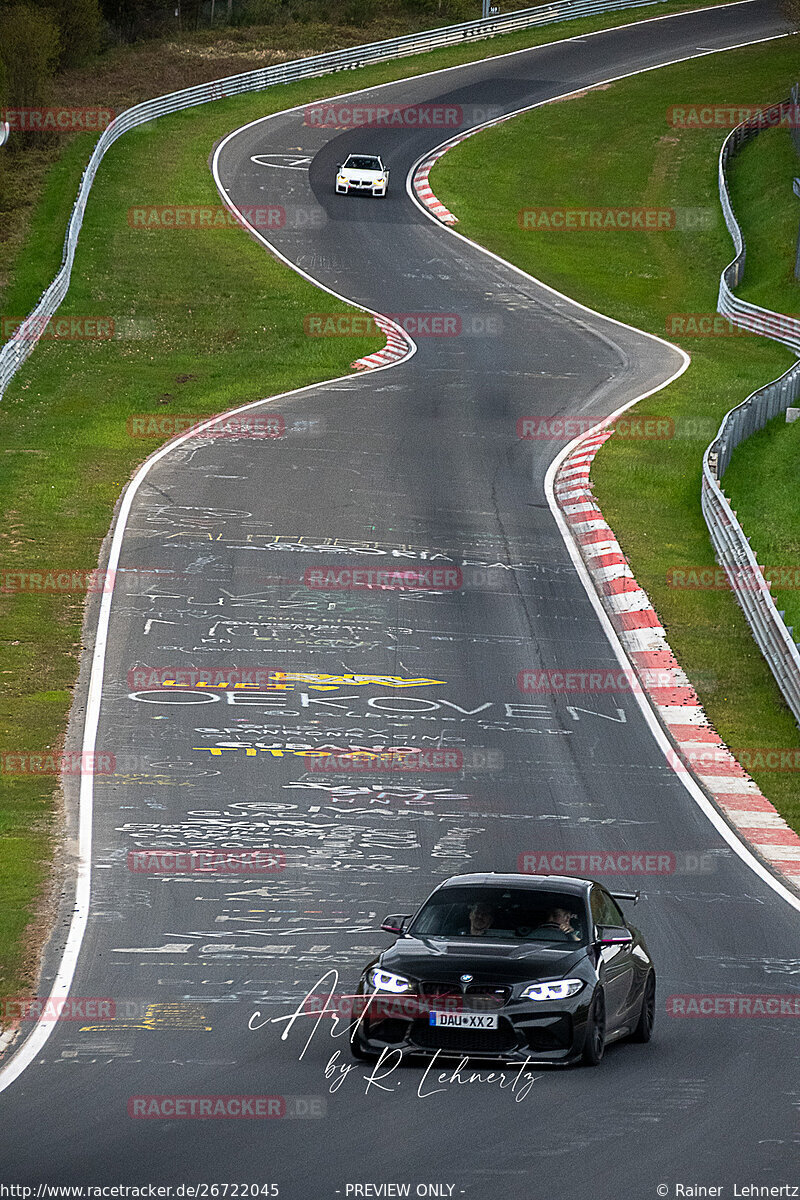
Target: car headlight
(385,981)
(554,989)
(341,179)
(380,181)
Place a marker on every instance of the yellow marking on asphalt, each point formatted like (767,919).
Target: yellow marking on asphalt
(159,1016)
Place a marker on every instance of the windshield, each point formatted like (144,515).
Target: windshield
(363,163)
(503,914)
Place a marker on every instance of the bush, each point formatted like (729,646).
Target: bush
(29,50)
(359,12)
(257,12)
(132,19)
(79,26)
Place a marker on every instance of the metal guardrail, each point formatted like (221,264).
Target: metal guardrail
(732,547)
(749,316)
(14,353)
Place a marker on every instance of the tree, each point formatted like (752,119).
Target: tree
(29,50)
(79,27)
(139,18)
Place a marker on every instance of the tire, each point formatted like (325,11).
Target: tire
(595,1042)
(644,1026)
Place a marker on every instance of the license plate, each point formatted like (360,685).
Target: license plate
(464,1020)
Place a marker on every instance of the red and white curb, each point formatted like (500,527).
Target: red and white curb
(423,189)
(421,183)
(397,347)
(700,750)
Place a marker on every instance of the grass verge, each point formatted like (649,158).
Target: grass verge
(763,477)
(127,75)
(650,491)
(206,321)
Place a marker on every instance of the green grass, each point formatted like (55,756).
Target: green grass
(762,480)
(650,491)
(207,321)
(51,188)
(760,181)
(125,75)
(763,484)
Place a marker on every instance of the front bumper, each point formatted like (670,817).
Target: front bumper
(527,1030)
(344,189)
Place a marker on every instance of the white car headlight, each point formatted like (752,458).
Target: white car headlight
(385,981)
(554,989)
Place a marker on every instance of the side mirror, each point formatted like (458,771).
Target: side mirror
(610,935)
(395,924)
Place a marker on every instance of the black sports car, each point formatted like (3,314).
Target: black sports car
(537,967)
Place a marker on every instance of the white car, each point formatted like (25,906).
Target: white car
(362,173)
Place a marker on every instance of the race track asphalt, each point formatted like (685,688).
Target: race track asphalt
(415,466)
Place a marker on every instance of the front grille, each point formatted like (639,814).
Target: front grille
(495,997)
(477,997)
(468,1041)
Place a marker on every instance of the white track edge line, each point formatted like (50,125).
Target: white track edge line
(36,1040)
(738,845)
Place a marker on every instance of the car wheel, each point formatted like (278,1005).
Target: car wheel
(644,1027)
(595,1042)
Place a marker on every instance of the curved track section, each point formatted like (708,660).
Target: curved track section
(416,467)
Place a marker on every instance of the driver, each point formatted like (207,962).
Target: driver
(481,919)
(561,918)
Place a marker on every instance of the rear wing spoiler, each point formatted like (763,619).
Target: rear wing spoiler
(633,897)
